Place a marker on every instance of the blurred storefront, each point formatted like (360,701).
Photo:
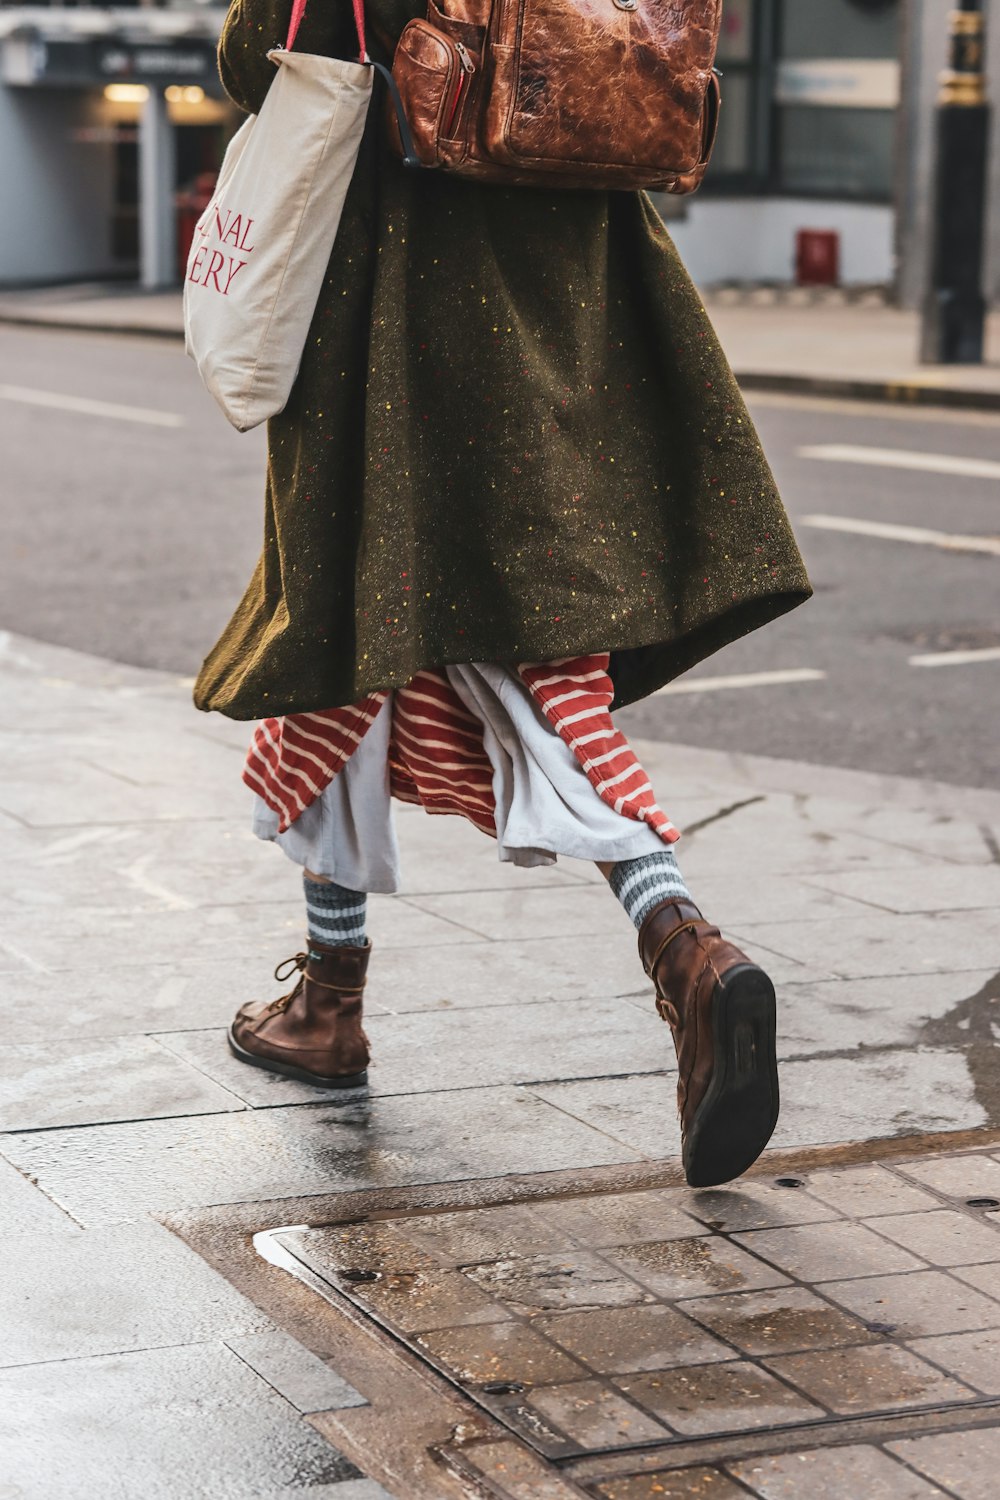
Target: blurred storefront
(828,126)
(111,121)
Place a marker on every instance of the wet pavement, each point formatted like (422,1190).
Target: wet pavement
(614,1322)
(812,1335)
(533,1288)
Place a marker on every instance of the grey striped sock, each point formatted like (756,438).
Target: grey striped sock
(334,914)
(640,884)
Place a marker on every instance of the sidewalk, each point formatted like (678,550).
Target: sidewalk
(776,339)
(96,307)
(570,1321)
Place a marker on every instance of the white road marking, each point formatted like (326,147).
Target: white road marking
(903,458)
(956,658)
(918,534)
(745,680)
(89,408)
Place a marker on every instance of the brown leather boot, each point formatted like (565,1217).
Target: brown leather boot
(720,1009)
(314,1034)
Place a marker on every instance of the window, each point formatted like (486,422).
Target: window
(809,91)
(739,161)
(835,93)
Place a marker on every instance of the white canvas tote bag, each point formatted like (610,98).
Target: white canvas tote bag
(261,248)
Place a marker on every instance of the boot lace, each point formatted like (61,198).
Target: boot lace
(287,967)
(282,972)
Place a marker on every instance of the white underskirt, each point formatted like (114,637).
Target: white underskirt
(545,804)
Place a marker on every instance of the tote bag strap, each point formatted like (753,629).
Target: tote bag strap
(299,10)
(410,158)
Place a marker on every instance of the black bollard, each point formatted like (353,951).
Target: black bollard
(955,309)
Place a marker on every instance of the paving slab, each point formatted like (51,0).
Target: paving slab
(270,930)
(965,1463)
(986,1278)
(117,1078)
(24,1209)
(864,1192)
(757,1205)
(576,911)
(733,1396)
(973,1358)
(967,888)
(900,1091)
(958,1177)
(833,1474)
(297,1374)
(846,1381)
(167,1424)
(114,1173)
(913,1304)
(943,1237)
(782,897)
(827,1250)
(882,1012)
(780,1320)
(189,994)
(424,1052)
(625,1340)
(678,1484)
(110,1291)
(639,1111)
(638,1218)
(877,944)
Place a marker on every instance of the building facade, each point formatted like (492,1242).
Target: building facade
(828,124)
(109,116)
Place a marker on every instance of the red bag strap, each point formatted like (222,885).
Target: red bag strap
(299,10)
(410,158)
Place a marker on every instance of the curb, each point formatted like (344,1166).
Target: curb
(895,392)
(68,325)
(898,392)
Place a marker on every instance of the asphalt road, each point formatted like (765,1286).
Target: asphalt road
(128,529)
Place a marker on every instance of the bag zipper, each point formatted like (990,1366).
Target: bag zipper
(468,67)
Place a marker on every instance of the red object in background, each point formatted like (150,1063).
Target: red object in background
(190,206)
(817,257)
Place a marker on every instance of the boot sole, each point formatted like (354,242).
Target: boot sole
(289,1070)
(736,1118)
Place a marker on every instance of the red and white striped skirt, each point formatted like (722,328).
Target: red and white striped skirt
(448,733)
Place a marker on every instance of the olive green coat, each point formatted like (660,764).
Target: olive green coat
(514,437)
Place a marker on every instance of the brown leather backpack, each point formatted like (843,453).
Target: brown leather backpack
(563,93)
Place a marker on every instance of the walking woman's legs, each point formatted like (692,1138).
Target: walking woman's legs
(540,765)
(334,915)
(720,1008)
(346,845)
(643,883)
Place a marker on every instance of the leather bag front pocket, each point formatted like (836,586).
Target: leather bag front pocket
(433,76)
